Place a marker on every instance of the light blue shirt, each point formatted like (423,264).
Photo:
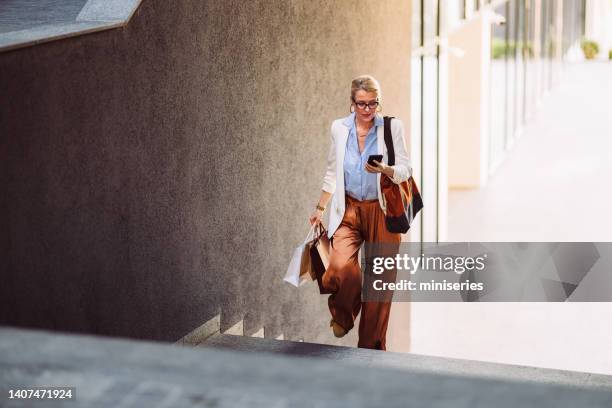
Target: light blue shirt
(358,182)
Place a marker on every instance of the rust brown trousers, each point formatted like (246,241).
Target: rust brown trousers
(362,221)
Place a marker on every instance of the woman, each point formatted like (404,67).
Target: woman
(356,212)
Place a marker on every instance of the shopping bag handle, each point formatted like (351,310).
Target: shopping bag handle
(311,234)
(320,230)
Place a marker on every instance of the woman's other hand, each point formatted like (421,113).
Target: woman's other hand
(315,217)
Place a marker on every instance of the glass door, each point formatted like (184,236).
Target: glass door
(498,89)
(425,114)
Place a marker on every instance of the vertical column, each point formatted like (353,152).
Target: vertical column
(468,105)
(537,47)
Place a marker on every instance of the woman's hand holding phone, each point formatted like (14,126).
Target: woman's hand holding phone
(376,165)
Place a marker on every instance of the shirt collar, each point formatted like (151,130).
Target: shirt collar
(349,121)
(378,120)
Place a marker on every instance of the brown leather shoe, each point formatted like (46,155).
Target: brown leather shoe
(338,330)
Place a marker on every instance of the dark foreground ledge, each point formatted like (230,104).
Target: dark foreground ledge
(111,373)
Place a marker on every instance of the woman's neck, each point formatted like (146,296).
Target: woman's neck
(363,124)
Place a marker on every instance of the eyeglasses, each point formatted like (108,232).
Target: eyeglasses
(362,105)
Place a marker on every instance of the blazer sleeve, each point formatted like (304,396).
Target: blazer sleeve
(329,180)
(402,170)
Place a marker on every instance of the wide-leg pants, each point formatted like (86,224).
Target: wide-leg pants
(362,221)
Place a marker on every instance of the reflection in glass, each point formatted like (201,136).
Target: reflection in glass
(429,115)
(497,90)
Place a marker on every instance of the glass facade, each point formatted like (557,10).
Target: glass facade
(573,22)
(526,56)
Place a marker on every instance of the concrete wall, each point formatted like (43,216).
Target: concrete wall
(155,176)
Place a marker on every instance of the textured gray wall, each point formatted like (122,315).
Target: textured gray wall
(154,176)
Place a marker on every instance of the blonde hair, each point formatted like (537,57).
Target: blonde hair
(367,83)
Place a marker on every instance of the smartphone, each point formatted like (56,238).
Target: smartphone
(377,157)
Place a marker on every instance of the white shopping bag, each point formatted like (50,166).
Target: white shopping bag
(293,271)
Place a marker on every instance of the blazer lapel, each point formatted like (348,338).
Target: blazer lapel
(341,140)
(382,149)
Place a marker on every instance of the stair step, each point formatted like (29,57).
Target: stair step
(236,330)
(411,362)
(259,333)
(201,333)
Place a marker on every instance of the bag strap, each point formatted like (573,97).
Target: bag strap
(319,231)
(389,140)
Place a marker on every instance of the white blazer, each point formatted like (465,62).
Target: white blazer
(333,181)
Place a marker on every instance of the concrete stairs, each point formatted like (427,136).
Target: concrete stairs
(213,326)
(109,372)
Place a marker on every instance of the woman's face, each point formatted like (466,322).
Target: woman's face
(366,113)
